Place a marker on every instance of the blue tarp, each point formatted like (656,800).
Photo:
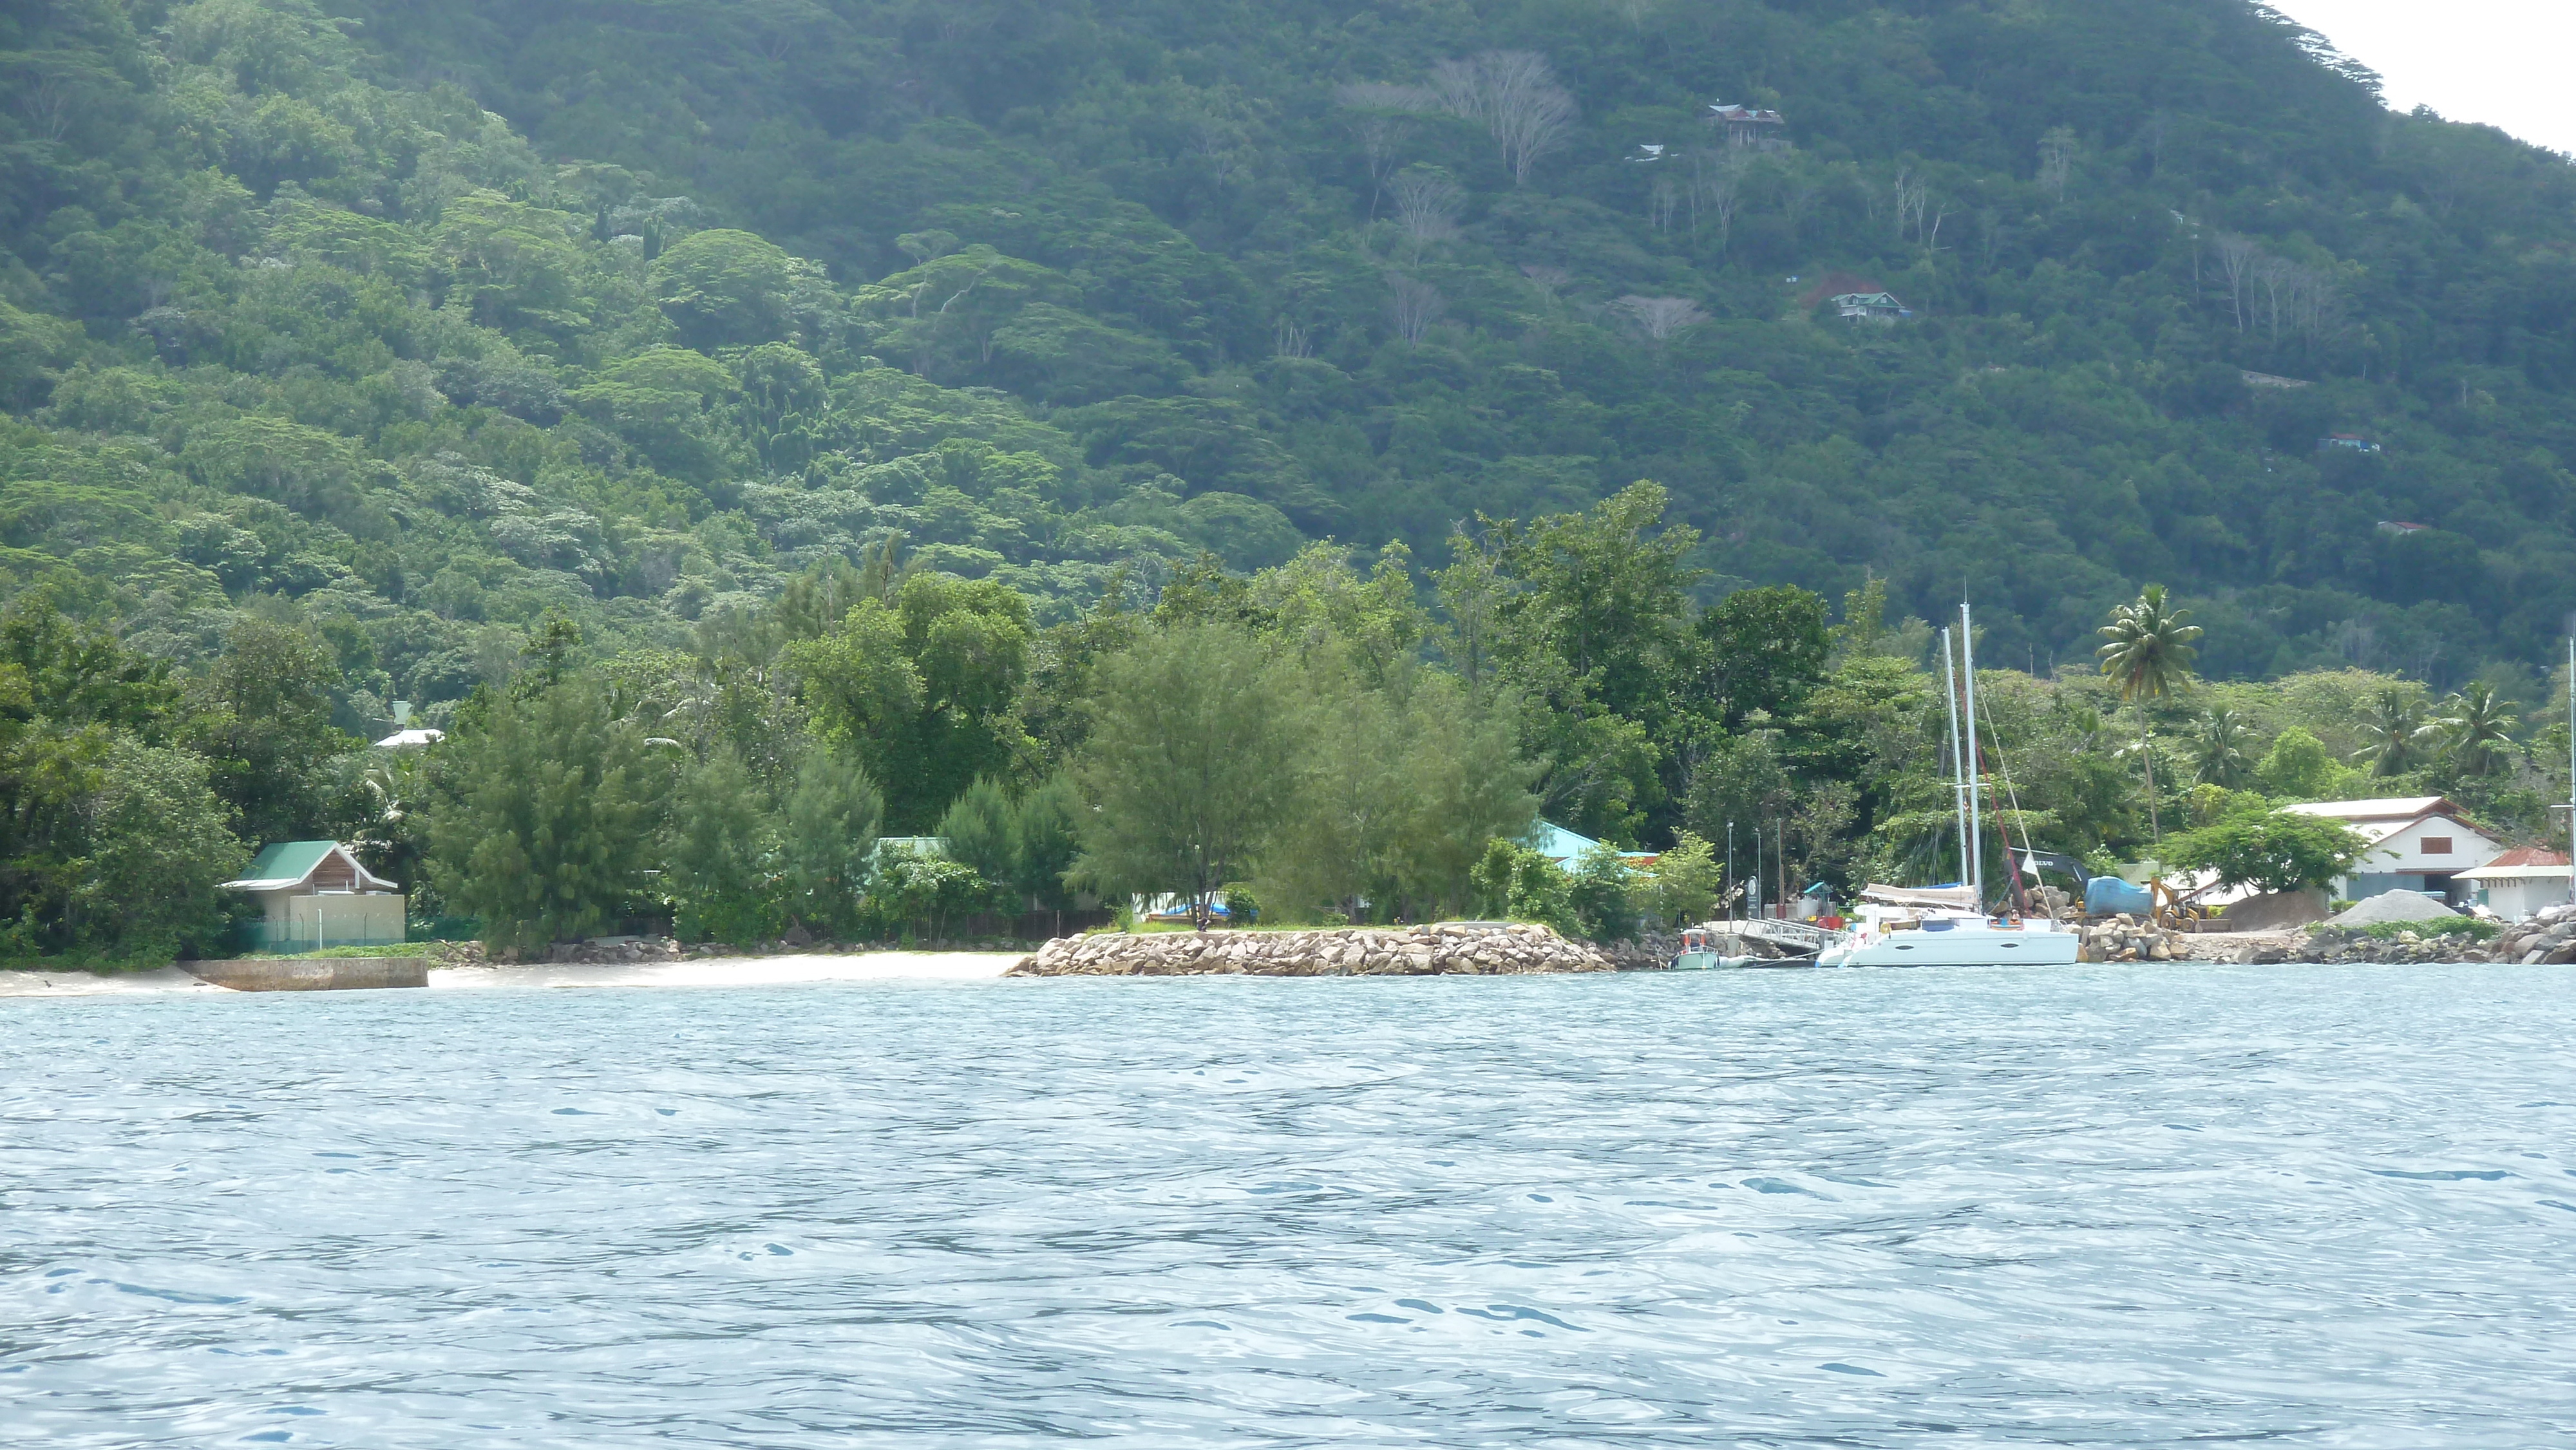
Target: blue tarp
(2109,896)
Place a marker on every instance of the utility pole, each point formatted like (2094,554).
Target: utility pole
(1753,895)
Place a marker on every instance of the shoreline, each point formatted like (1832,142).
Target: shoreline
(767,971)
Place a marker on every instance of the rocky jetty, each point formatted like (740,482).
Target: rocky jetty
(2549,936)
(1450,948)
(2126,938)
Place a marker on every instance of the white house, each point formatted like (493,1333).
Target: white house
(2418,843)
(2519,882)
(317,894)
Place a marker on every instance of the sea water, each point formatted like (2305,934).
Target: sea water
(2098,1206)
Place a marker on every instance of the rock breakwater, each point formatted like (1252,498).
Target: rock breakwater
(1450,948)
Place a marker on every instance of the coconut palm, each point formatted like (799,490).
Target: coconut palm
(2148,650)
(2220,740)
(2476,726)
(2392,731)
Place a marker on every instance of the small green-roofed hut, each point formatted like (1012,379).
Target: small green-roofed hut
(317,894)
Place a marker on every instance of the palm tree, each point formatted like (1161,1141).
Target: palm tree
(2149,652)
(2476,727)
(2219,739)
(2392,724)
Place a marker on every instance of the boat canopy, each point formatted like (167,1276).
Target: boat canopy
(1958,898)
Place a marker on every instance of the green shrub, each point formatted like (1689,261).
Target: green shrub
(2474,928)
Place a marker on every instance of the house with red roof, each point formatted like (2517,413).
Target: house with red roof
(2520,882)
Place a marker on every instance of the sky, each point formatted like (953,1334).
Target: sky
(2502,62)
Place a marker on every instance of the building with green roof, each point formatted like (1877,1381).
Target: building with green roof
(317,894)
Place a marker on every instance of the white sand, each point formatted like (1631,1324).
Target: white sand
(693,972)
(86,984)
(740,971)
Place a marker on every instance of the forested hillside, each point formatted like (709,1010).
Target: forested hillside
(484,309)
(444,341)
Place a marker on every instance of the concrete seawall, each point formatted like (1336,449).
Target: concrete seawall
(314,974)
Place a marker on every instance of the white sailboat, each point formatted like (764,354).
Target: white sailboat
(1947,925)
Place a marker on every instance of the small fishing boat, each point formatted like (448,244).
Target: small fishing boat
(1703,950)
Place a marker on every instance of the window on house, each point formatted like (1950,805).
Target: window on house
(2437,845)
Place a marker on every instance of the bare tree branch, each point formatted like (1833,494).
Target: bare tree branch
(1414,305)
(1426,207)
(1660,317)
(1514,95)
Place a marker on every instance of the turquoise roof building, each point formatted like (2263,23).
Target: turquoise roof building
(1565,848)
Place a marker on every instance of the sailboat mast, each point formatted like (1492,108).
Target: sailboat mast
(1968,762)
(1958,762)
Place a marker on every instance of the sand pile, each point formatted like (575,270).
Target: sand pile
(2389,906)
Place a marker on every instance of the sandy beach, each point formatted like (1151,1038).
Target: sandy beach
(695,972)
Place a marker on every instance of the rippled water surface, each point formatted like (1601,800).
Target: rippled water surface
(2327,1206)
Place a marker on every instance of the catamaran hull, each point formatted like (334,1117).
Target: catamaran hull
(1958,949)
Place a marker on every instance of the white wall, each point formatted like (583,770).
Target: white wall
(2403,854)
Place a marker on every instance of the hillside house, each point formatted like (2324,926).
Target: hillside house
(1856,296)
(2519,882)
(1749,128)
(1871,306)
(2400,528)
(2352,442)
(316,894)
(2418,843)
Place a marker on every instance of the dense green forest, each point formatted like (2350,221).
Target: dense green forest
(443,352)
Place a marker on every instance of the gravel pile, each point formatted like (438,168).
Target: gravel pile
(2390,906)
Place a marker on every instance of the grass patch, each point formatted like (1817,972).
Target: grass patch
(2474,928)
(384,949)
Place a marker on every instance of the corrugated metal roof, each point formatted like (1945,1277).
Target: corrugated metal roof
(282,864)
(2389,808)
(1560,845)
(2528,856)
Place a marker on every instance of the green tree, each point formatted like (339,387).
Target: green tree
(918,893)
(724,288)
(721,860)
(159,842)
(2269,850)
(1514,882)
(1190,763)
(982,832)
(2475,727)
(263,718)
(2148,651)
(2219,738)
(1048,824)
(1765,649)
(2392,730)
(1601,891)
(827,836)
(548,822)
(923,691)
(2299,767)
(1741,781)
(1682,886)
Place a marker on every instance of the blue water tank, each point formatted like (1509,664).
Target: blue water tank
(2109,896)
